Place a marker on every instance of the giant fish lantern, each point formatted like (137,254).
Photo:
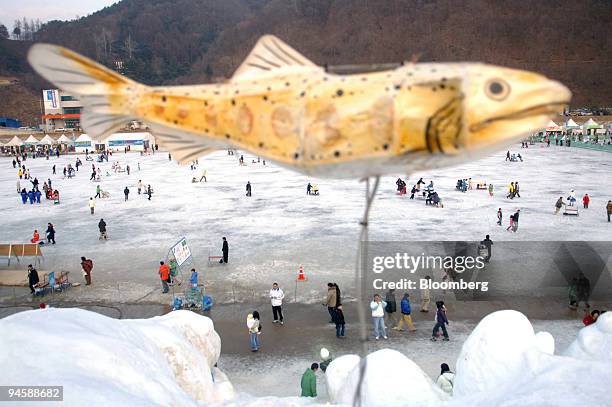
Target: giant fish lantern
(281,106)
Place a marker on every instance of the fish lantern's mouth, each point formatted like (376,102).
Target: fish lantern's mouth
(547,109)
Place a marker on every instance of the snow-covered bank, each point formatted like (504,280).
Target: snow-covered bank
(170,360)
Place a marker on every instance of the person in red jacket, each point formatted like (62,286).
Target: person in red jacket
(87,267)
(585,201)
(35,237)
(164,276)
(590,318)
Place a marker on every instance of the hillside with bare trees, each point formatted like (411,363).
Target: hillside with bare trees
(193,41)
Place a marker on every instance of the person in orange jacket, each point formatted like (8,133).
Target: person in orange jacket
(164,275)
(35,237)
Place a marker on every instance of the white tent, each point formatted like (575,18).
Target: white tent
(82,143)
(32,140)
(15,142)
(64,140)
(552,126)
(48,140)
(591,124)
(571,124)
(135,141)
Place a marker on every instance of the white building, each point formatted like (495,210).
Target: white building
(62,111)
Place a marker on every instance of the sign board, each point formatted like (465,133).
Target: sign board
(51,99)
(82,144)
(181,252)
(118,143)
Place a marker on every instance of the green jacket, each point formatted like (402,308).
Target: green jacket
(309,384)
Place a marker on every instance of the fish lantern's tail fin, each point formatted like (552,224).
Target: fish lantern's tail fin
(106,95)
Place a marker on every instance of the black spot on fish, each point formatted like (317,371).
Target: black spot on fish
(364,79)
(312,156)
(205,130)
(386,89)
(302,94)
(339,92)
(287,84)
(176,122)
(336,153)
(216,92)
(398,87)
(269,88)
(163,98)
(236,91)
(261,145)
(205,103)
(385,146)
(442,86)
(434,89)
(233,102)
(227,136)
(443,79)
(296,156)
(265,97)
(325,78)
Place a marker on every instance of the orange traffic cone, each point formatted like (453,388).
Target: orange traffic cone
(301,276)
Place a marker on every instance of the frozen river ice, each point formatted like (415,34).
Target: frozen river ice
(280,228)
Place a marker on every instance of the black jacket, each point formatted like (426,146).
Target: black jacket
(102,226)
(338,317)
(225,248)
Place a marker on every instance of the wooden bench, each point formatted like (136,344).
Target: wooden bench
(21,250)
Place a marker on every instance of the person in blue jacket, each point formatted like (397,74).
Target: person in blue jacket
(31,197)
(193,280)
(37,196)
(406,317)
(24,196)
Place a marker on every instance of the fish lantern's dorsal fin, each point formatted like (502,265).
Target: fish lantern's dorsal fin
(270,55)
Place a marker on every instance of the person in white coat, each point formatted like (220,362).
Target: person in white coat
(276,297)
(378,316)
(446,380)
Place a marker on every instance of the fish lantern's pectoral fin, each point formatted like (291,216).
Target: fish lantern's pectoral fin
(445,128)
(184,146)
(271,55)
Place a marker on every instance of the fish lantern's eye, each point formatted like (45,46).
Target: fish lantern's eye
(497,89)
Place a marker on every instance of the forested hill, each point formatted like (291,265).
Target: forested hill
(191,41)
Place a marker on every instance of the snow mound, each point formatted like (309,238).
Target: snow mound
(391,379)
(504,364)
(494,352)
(337,372)
(167,360)
(594,342)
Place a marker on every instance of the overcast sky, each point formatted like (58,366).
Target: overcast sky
(48,10)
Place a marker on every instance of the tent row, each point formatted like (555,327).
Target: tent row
(590,126)
(135,141)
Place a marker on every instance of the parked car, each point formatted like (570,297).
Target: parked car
(59,129)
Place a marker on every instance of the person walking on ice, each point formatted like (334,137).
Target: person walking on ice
(225,251)
(248,188)
(276,297)
(378,317)
(559,204)
(87,266)
(441,322)
(585,201)
(406,317)
(609,209)
(254,327)
(164,276)
(139,186)
(309,381)
(126,192)
(102,229)
(500,216)
(338,318)
(491,190)
(92,205)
